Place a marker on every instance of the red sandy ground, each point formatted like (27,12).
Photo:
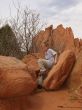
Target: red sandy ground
(55,100)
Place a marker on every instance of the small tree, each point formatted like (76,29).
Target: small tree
(25,25)
(8,43)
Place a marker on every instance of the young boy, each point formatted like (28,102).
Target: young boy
(46,63)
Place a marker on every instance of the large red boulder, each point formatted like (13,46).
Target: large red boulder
(60,72)
(15,80)
(75,78)
(31,61)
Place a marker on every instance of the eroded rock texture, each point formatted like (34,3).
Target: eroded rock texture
(59,39)
(60,72)
(15,80)
(75,79)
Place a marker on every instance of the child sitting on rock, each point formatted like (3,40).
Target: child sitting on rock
(46,63)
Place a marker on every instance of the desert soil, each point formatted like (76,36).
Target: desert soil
(54,100)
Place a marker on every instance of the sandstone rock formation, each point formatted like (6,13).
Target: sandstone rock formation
(14,78)
(42,36)
(76,75)
(31,61)
(77,45)
(59,39)
(59,73)
(80,44)
(63,38)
